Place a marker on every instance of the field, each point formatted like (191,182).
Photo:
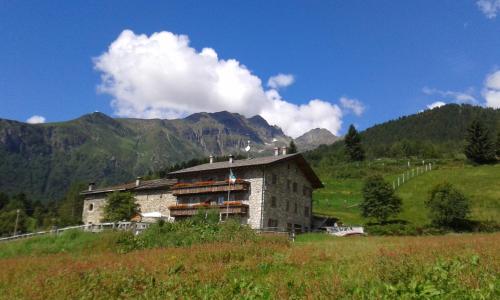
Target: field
(481,184)
(316,266)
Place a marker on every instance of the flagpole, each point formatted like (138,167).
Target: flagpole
(228,195)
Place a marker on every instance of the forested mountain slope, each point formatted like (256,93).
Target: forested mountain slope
(438,132)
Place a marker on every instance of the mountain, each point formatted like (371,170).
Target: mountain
(42,160)
(434,133)
(315,137)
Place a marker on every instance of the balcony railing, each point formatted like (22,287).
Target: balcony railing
(232,208)
(204,187)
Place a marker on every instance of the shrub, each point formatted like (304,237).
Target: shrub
(448,207)
(379,200)
(120,206)
(188,232)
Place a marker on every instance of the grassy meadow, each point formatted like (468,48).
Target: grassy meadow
(315,266)
(342,192)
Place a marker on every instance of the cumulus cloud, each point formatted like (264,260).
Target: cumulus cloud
(491,91)
(459,97)
(280,80)
(436,104)
(353,105)
(489,8)
(36,119)
(161,76)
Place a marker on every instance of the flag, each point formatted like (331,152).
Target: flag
(232,178)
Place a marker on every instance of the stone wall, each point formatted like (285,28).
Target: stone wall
(149,201)
(93,209)
(286,199)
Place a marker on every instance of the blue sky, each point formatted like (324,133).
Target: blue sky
(389,57)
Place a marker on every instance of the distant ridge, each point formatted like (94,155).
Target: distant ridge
(44,159)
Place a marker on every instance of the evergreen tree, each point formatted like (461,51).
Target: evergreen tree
(70,209)
(353,146)
(480,148)
(292,148)
(120,206)
(498,145)
(379,200)
(4,200)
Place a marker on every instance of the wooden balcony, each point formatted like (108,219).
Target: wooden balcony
(231,208)
(205,187)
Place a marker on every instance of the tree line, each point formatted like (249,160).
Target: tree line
(20,214)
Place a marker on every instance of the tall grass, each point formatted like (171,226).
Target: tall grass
(432,267)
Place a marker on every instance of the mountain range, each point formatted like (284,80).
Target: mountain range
(42,160)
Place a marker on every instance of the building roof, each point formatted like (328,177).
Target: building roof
(154,184)
(255,162)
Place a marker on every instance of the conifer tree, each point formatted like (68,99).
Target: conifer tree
(353,146)
(480,148)
(292,148)
(498,145)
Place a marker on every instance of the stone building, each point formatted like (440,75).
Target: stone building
(266,192)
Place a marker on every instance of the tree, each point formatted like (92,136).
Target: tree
(120,206)
(353,146)
(447,206)
(379,200)
(498,145)
(70,209)
(4,200)
(480,148)
(292,148)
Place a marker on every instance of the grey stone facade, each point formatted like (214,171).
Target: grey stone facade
(279,194)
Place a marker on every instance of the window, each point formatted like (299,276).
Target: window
(91,207)
(306,211)
(287,205)
(272,223)
(295,187)
(274,179)
(273,201)
(220,200)
(295,208)
(288,184)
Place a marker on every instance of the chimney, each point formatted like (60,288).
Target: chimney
(91,186)
(138,181)
(283,150)
(230,158)
(276,151)
(211,157)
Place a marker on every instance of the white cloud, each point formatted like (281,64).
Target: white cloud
(36,119)
(353,105)
(491,91)
(489,7)
(280,80)
(436,104)
(161,76)
(459,97)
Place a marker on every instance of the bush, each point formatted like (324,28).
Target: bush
(379,200)
(120,206)
(188,232)
(448,207)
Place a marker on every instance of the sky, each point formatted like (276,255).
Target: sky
(299,64)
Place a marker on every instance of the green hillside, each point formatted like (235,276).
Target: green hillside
(343,186)
(43,160)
